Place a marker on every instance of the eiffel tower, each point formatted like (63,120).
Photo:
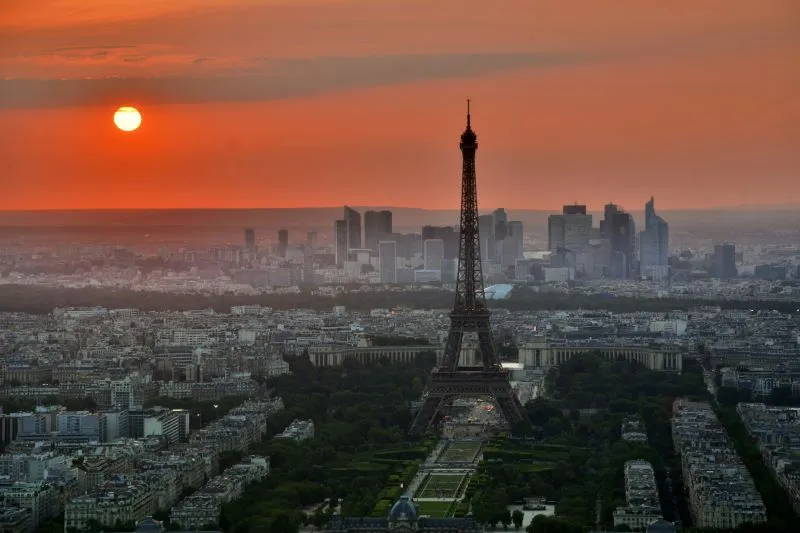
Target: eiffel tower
(470,314)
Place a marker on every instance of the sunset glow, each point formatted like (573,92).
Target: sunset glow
(271,103)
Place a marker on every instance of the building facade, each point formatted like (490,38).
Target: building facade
(546,354)
(653,242)
(377,227)
(403,518)
(387,256)
(433,253)
(340,242)
(352,220)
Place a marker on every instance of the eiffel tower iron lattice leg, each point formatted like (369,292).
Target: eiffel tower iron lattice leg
(444,387)
(470,315)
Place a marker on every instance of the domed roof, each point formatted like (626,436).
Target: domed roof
(403,509)
(149,525)
(661,526)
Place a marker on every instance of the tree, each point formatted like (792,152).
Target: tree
(319,518)
(252,524)
(505,518)
(284,522)
(517,517)
(417,386)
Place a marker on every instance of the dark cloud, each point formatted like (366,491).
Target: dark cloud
(279,79)
(77,52)
(92,47)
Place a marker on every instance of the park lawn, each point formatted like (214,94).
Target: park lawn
(441,486)
(434,509)
(460,452)
(534,468)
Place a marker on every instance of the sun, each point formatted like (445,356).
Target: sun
(127,118)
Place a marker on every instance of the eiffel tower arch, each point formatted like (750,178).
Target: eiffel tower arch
(470,314)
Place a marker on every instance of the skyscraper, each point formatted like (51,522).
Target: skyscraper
(500,219)
(433,253)
(340,241)
(623,244)
(486,229)
(250,239)
(352,219)
(516,235)
(653,240)
(605,224)
(283,242)
(725,261)
(387,255)
(377,226)
(571,230)
(555,232)
(448,234)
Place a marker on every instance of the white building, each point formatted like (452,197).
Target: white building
(641,495)
(117,501)
(298,431)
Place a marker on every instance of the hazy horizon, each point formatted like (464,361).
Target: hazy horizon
(729,223)
(591,209)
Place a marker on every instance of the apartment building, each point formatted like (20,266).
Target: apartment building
(777,431)
(15,520)
(298,430)
(641,495)
(203,508)
(720,490)
(119,500)
(39,498)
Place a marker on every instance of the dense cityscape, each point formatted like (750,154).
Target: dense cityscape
(256,275)
(106,427)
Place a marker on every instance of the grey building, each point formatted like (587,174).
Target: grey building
(725,261)
(283,242)
(387,252)
(653,240)
(433,253)
(340,242)
(377,227)
(352,219)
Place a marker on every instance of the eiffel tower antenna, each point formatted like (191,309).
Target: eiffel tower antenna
(470,314)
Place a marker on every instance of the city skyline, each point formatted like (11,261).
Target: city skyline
(614,102)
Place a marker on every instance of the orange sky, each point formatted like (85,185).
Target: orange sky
(283,103)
